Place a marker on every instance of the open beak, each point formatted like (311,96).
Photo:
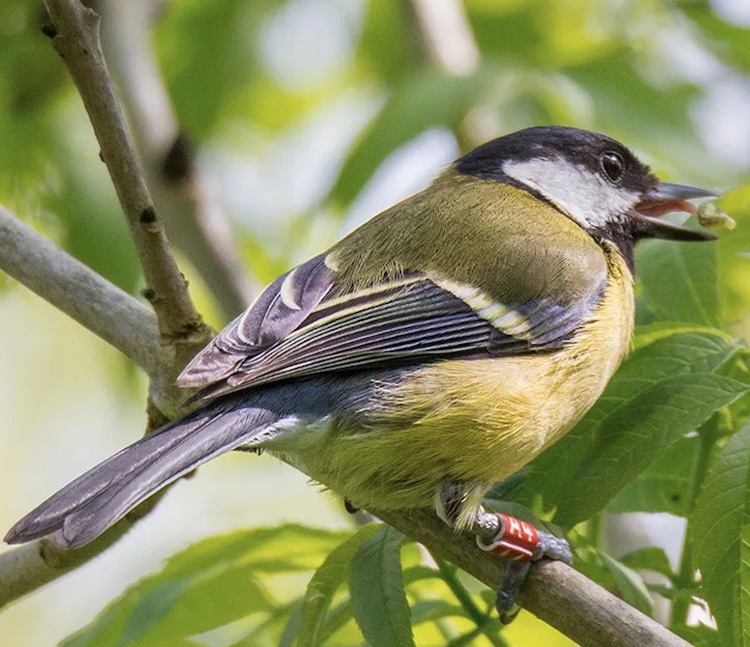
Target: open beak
(664,199)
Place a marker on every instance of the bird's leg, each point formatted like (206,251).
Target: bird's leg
(519,542)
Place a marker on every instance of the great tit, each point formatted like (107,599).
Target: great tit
(435,350)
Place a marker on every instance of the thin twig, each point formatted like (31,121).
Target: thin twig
(446,42)
(79,292)
(25,569)
(75,31)
(194,223)
(445,35)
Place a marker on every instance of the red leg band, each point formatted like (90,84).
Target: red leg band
(516,539)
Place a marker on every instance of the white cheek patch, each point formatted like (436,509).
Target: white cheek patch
(585,196)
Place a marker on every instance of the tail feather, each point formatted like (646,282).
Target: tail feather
(47,516)
(89,505)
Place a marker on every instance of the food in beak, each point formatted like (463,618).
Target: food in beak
(667,198)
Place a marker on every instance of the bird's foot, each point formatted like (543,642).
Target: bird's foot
(520,543)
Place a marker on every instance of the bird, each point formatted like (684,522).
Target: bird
(433,351)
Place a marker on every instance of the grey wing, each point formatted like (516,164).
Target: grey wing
(277,311)
(301,326)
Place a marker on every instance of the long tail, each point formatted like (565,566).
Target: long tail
(85,508)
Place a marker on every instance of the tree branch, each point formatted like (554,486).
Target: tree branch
(118,319)
(76,38)
(445,35)
(562,597)
(556,593)
(194,224)
(25,569)
(79,292)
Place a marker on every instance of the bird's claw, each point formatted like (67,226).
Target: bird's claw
(505,599)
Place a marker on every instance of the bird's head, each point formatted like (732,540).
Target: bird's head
(592,179)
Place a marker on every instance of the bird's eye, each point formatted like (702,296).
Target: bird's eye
(613,165)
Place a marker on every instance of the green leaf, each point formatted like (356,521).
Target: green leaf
(29,107)
(734,263)
(419,572)
(338,618)
(650,558)
(651,423)
(422,101)
(282,619)
(291,547)
(680,282)
(699,636)
(210,584)
(624,98)
(431,610)
(151,609)
(203,80)
(509,488)
(664,486)
(324,584)
(629,584)
(377,591)
(719,532)
(649,333)
(387,46)
(663,391)
(730,42)
(291,629)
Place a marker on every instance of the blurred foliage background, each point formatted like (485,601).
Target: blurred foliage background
(307,117)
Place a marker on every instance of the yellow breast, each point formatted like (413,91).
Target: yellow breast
(476,420)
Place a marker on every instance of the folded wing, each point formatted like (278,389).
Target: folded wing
(302,325)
